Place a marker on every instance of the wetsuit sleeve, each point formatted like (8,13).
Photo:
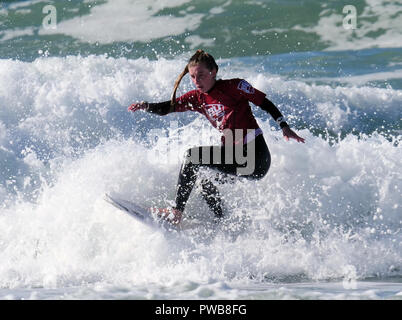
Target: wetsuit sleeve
(160,108)
(246,90)
(189,101)
(269,107)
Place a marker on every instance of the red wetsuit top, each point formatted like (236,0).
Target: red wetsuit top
(226,105)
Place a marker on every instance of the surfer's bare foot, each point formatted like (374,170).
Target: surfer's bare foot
(171,215)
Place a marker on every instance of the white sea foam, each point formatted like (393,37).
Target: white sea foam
(376,27)
(143,21)
(15,33)
(323,211)
(127,20)
(324,220)
(359,80)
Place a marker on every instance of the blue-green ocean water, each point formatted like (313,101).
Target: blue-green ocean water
(324,224)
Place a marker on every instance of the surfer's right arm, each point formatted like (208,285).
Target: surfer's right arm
(160,108)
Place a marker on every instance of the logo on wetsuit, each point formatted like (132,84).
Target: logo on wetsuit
(215,111)
(245,87)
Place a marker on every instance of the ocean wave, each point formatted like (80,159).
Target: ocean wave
(61,107)
(324,211)
(132,28)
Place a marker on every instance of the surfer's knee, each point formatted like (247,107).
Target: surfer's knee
(261,168)
(263,165)
(187,155)
(192,156)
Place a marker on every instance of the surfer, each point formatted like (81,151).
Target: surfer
(225,103)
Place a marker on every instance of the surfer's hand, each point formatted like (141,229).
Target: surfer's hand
(138,106)
(290,134)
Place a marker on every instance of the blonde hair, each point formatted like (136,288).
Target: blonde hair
(200,56)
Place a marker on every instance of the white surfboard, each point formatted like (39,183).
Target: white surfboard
(140,214)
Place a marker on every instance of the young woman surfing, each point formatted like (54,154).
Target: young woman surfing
(225,103)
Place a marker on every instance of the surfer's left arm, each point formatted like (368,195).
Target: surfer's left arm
(288,133)
(160,108)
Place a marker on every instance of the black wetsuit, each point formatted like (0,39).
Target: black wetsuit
(255,151)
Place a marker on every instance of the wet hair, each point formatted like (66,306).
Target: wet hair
(200,56)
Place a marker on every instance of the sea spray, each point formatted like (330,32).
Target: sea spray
(327,214)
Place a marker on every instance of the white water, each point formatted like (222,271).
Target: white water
(323,213)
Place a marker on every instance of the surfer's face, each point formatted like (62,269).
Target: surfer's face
(202,78)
